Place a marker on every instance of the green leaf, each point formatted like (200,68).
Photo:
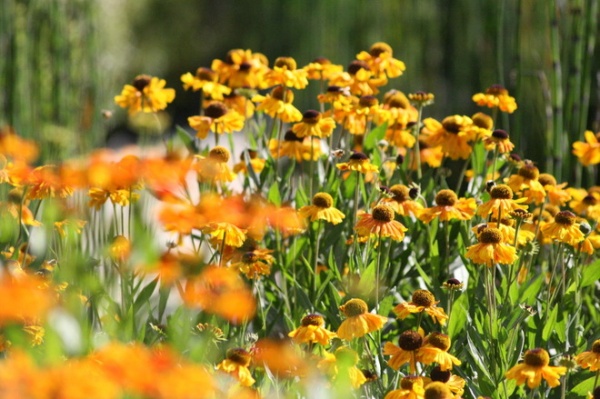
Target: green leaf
(367,279)
(185,137)
(584,387)
(145,295)
(273,196)
(373,137)
(459,316)
(590,274)
(550,323)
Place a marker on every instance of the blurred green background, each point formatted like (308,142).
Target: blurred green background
(62,61)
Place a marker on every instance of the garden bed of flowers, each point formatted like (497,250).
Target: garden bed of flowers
(357,249)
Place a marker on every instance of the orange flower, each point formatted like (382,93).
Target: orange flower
(253,161)
(358,162)
(411,387)
(312,329)
(452,135)
(296,148)
(590,359)
(491,249)
(588,153)
(214,168)
(322,209)
(422,301)
(313,124)
(217,118)
(534,368)
(285,73)
(205,79)
(254,264)
(358,321)
(526,181)
(496,96)
(146,94)
(448,207)
(322,69)
(564,229)
(236,364)
(401,201)
(221,291)
(381,61)
(501,201)
(498,139)
(557,195)
(24,299)
(278,104)
(343,363)
(408,351)
(242,68)
(435,349)
(380,223)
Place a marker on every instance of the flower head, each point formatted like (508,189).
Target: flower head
(407,351)
(313,124)
(448,207)
(380,223)
(590,359)
(496,96)
(205,79)
(278,104)
(358,162)
(491,249)
(498,139)
(411,387)
(435,349)
(322,209)
(588,152)
(535,368)
(236,364)
(217,118)
(146,94)
(564,229)
(501,201)
(422,301)
(453,135)
(312,329)
(358,320)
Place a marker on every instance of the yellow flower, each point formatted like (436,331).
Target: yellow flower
(358,162)
(526,181)
(314,125)
(217,118)
(435,350)
(588,153)
(407,351)
(242,68)
(233,235)
(296,148)
(411,387)
(557,195)
(205,79)
(498,139)
(359,79)
(422,301)
(285,73)
(322,69)
(214,168)
(448,207)
(534,368)
(401,201)
(453,135)
(590,359)
(278,104)
(496,96)
(312,329)
(438,390)
(257,164)
(564,229)
(491,250)
(254,264)
(381,61)
(358,321)
(380,223)
(146,94)
(322,209)
(236,364)
(501,201)
(454,382)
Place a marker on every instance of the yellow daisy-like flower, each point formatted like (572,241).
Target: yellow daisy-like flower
(380,223)
(501,201)
(358,162)
(491,249)
(496,96)
(448,207)
(435,350)
(526,181)
(295,147)
(146,94)
(454,382)
(407,351)
(358,79)
(422,301)
(498,139)
(453,135)
(564,229)
(236,364)
(585,203)
(343,363)
(313,124)
(482,126)
(233,235)
(214,167)
(358,320)
(278,104)
(205,79)
(285,73)
(411,387)
(381,61)
(535,368)
(257,164)
(588,153)
(218,119)
(312,329)
(254,264)
(322,68)
(557,195)
(401,202)
(322,209)
(242,68)
(438,390)
(590,359)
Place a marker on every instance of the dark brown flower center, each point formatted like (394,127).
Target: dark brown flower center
(439,340)
(529,171)
(312,320)
(322,200)
(546,179)
(483,121)
(409,381)
(358,156)
(219,153)
(383,213)
(141,81)
(356,66)
(410,340)
(589,200)
(291,136)
(565,218)
(287,62)
(354,307)
(396,99)
(437,390)
(451,126)
(378,48)
(438,375)
(496,90)
(400,192)
(239,356)
(446,198)
(203,73)
(311,117)
(500,134)
(249,257)
(368,101)
(322,61)
(215,110)
(501,191)
(423,298)
(596,346)
(489,235)
(537,357)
